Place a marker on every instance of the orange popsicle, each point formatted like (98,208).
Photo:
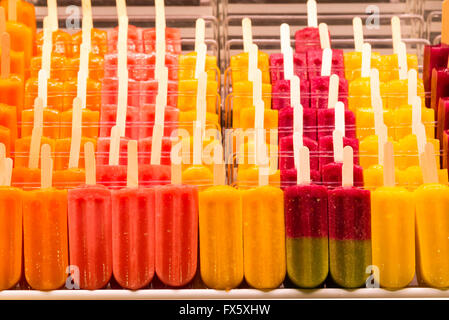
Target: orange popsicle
(45,232)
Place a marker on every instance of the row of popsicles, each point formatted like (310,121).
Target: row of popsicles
(258,234)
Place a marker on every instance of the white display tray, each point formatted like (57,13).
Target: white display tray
(250,294)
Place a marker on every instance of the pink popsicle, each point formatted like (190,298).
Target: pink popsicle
(285,123)
(326,150)
(326,123)
(315,60)
(90,235)
(108,117)
(277,66)
(331,175)
(319,92)
(281,94)
(286,156)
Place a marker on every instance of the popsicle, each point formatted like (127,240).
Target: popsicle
(432,228)
(221,231)
(435,57)
(176,224)
(314,62)
(172,117)
(306,229)
(309,38)
(263,237)
(242,97)
(11,86)
(349,210)
(239,67)
(8,121)
(133,229)
(281,94)
(26,14)
(319,92)
(148,90)
(326,149)
(45,232)
(11,225)
(277,66)
(187,95)
(393,229)
(285,123)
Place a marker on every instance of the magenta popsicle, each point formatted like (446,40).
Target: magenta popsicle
(286,155)
(326,149)
(319,92)
(314,62)
(277,66)
(326,123)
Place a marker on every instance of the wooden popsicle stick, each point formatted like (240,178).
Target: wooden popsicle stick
(324,36)
(312,15)
(340,117)
(285,38)
(35,144)
(247,34)
(46,167)
(389,178)
(162,86)
(200,30)
(2,20)
(160,34)
(303,172)
(273,151)
(121,8)
(83,74)
(12,10)
(36,135)
(114,147)
(89,160)
(260,148)
(122,102)
(396,33)
(337,138)
(201,105)
(358,34)
(402,61)
(252,61)
(297,145)
(132,180)
(366,60)
(219,167)
(421,138)
(43,87)
(445,22)
(75,142)
(412,85)
(295,91)
(200,66)
(47,46)
(382,138)
(288,63)
(86,6)
(8,172)
(52,10)
(176,164)
(326,65)
(334,82)
(6,63)
(430,172)
(197,143)
(348,167)
(2,164)
(416,114)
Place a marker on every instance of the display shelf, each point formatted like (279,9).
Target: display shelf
(186,294)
